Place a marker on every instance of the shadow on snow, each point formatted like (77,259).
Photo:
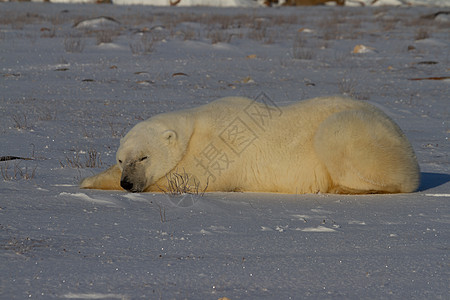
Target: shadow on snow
(432,180)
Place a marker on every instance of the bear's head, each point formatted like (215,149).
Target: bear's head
(151,149)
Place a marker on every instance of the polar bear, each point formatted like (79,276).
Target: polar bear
(321,145)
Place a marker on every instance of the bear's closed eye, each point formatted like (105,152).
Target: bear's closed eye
(143,158)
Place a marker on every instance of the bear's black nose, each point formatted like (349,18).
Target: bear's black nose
(126,184)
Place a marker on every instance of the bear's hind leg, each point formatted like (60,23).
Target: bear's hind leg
(366,152)
(107,180)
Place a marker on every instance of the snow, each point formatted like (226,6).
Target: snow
(94,296)
(68,94)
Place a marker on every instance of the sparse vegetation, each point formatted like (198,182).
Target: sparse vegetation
(144,45)
(388,25)
(48,32)
(21,122)
(16,171)
(73,44)
(182,183)
(421,34)
(162,213)
(81,159)
(348,87)
(189,34)
(47,114)
(299,49)
(260,31)
(219,36)
(303,53)
(21,246)
(106,36)
(117,132)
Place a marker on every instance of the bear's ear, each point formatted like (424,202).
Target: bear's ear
(169,136)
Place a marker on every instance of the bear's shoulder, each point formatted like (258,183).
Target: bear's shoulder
(221,108)
(230,102)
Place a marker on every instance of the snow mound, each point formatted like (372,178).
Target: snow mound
(97,23)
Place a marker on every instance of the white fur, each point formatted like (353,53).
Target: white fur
(327,145)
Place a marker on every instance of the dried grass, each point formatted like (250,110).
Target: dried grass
(106,36)
(73,44)
(89,159)
(421,34)
(17,172)
(21,122)
(182,183)
(146,44)
(219,36)
(348,87)
(299,49)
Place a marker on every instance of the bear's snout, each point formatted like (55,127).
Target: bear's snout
(125,184)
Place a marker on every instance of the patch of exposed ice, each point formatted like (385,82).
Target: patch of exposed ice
(356,222)
(205,232)
(316,229)
(265,228)
(85,197)
(94,296)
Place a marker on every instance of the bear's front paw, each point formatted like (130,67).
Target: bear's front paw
(87,183)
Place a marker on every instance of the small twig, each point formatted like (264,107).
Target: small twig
(162,213)
(9,157)
(432,78)
(204,190)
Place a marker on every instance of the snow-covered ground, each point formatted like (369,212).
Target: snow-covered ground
(73,83)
